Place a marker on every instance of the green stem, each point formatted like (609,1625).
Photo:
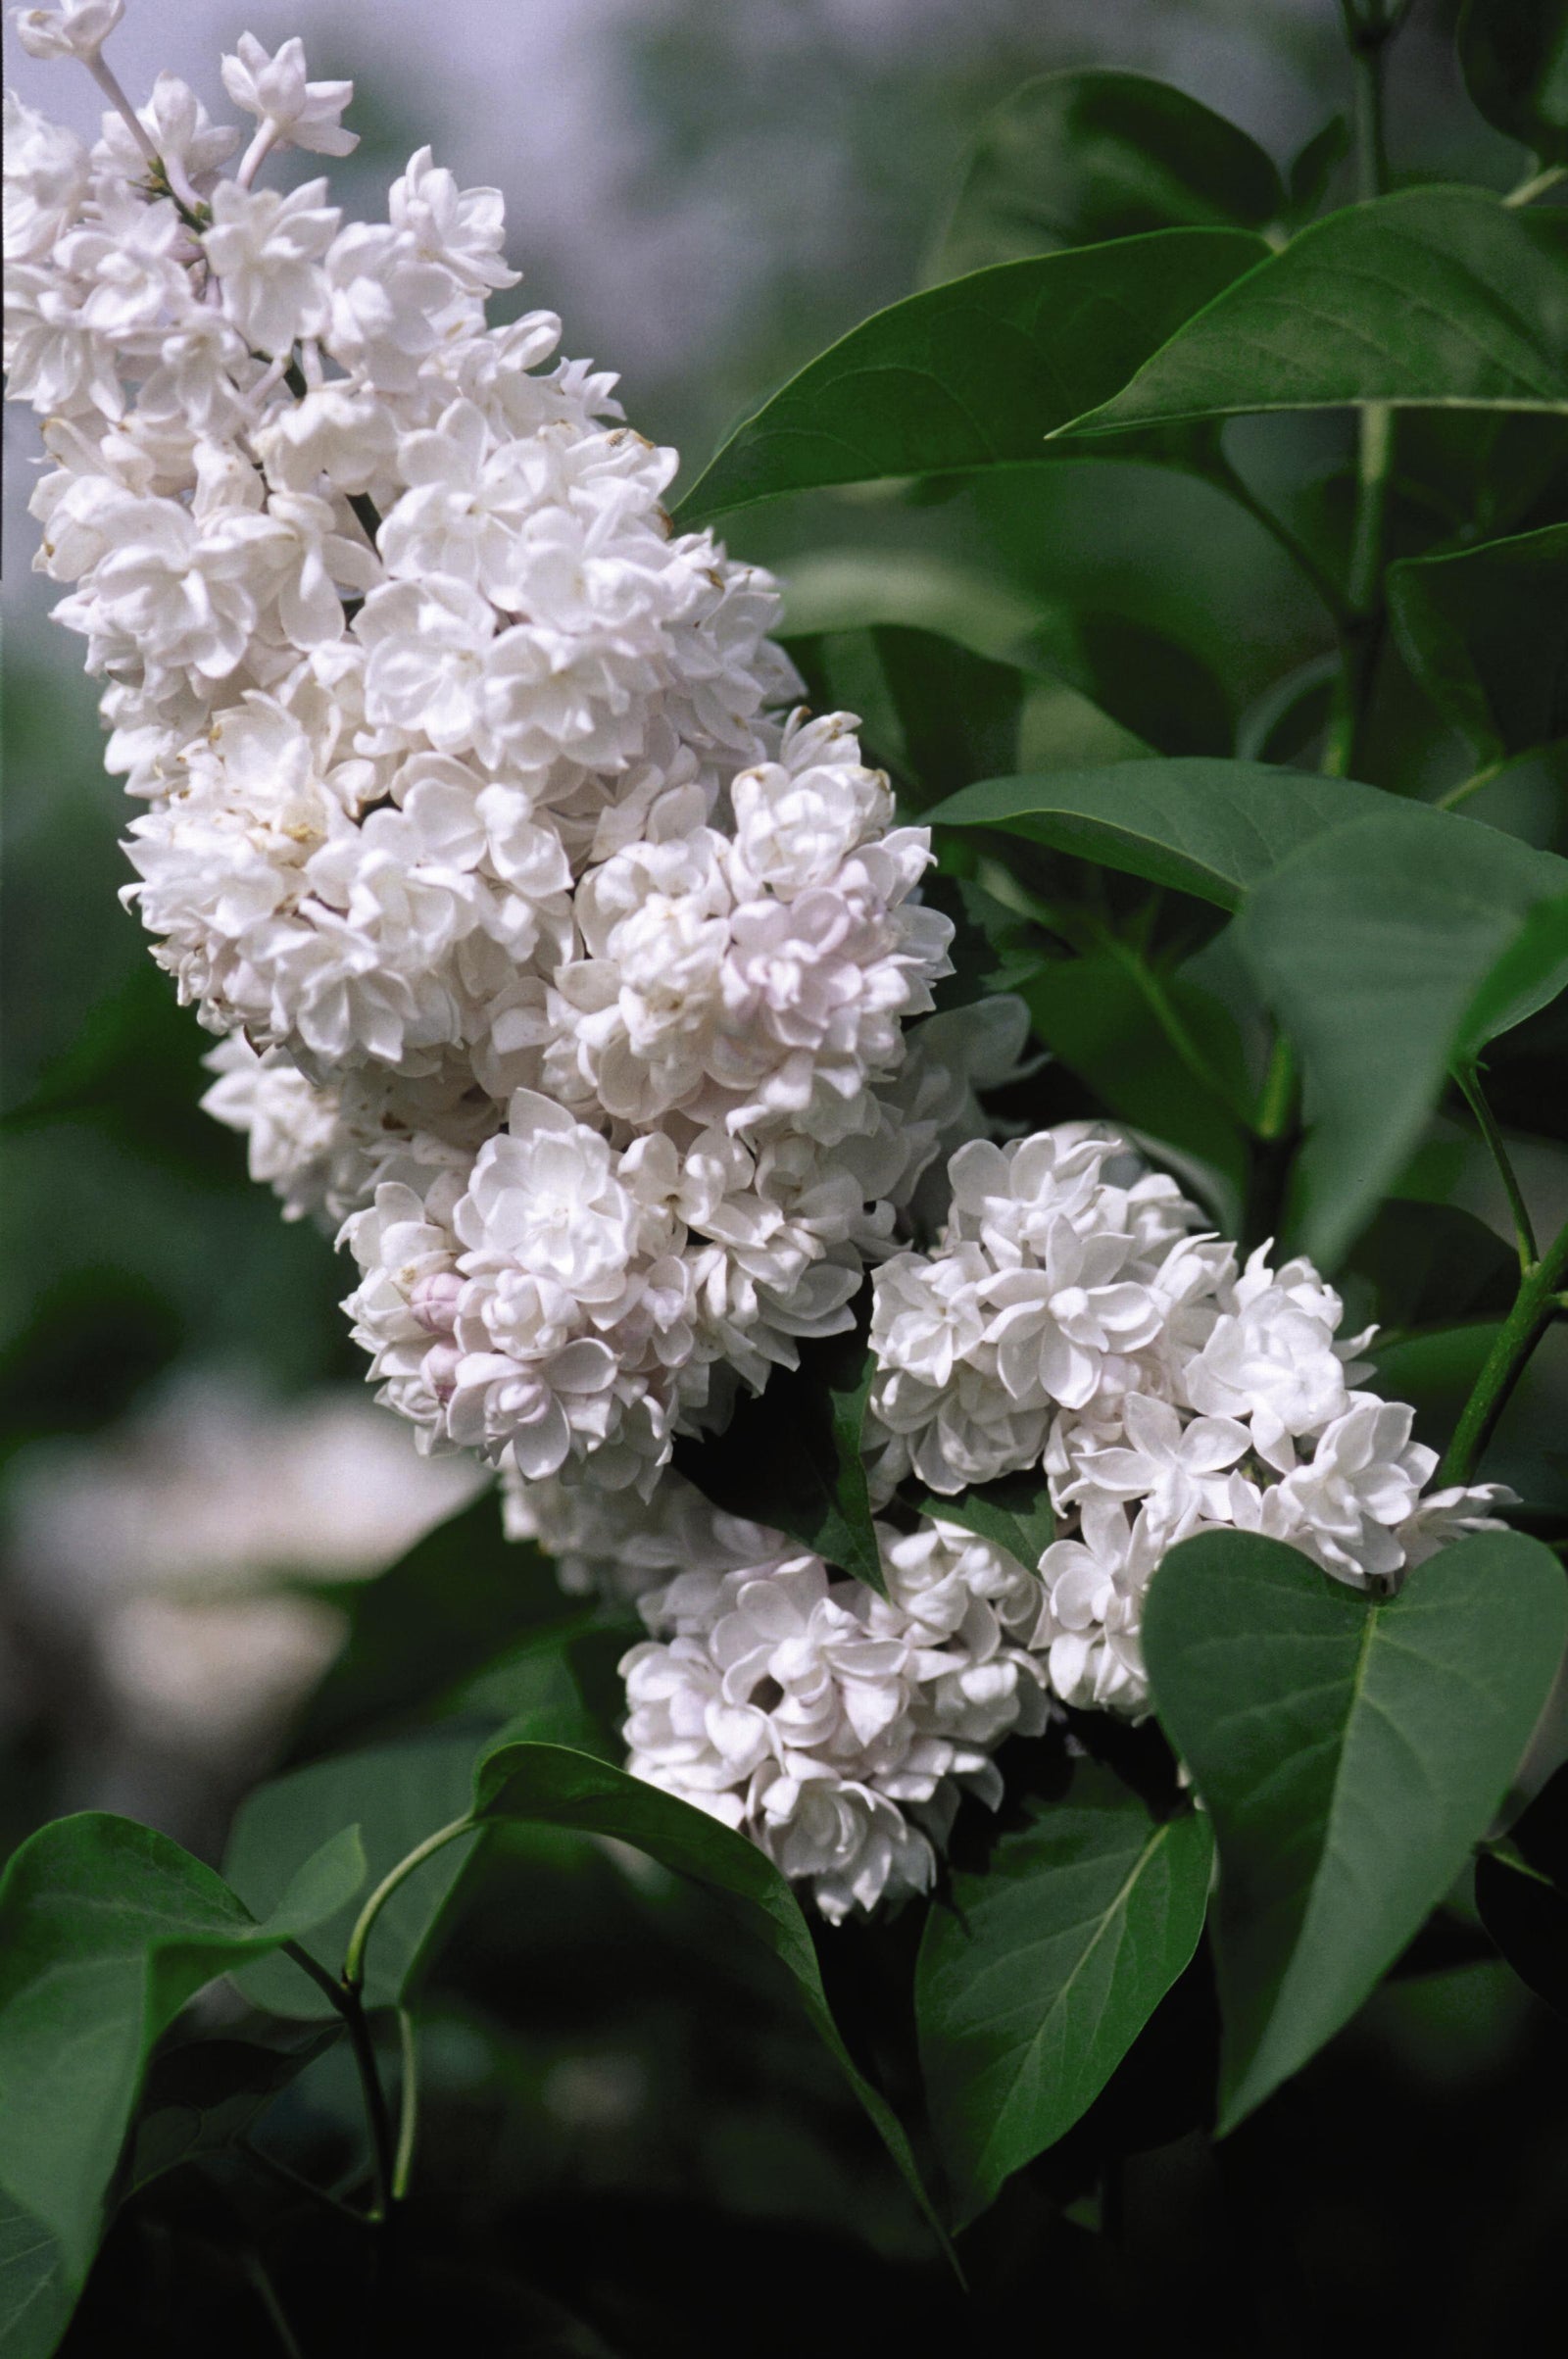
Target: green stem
(1534,1308)
(1536,185)
(354,1955)
(1362,636)
(1469,1079)
(1451,798)
(266,2293)
(407,2108)
(1276,1104)
(345,1998)
(300,2185)
(1165,1015)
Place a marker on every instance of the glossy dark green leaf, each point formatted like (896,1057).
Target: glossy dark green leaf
(1522,1893)
(1485,632)
(1107,1016)
(1013,1513)
(547,1784)
(1072,159)
(790,1456)
(204,2096)
(106,1929)
(1313,167)
(1209,827)
(1388,949)
(1514,56)
(1420,1265)
(974,375)
(1433,296)
(396,1795)
(937,715)
(440,1612)
(1036,1975)
(1349,1753)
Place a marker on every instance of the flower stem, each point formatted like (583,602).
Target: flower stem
(346,2001)
(407,2108)
(1469,1079)
(354,1955)
(1534,1308)
(1536,185)
(1368,31)
(1451,798)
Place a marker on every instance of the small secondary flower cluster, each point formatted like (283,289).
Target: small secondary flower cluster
(1073,1320)
(554,955)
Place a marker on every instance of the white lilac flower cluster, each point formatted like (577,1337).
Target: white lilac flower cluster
(555,957)
(1076,1318)
(579,979)
(1073,1320)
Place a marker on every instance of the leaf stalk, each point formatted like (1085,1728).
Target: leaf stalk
(1533,1309)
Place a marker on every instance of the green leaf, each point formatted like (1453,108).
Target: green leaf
(1311,170)
(1435,297)
(205,2095)
(1388,949)
(396,1796)
(1209,827)
(936,714)
(1072,159)
(547,1784)
(106,1929)
(790,1456)
(439,1613)
(1515,65)
(1423,1265)
(1095,1015)
(1036,1976)
(1485,632)
(1349,1753)
(1522,1893)
(974,375)
(1013,1513)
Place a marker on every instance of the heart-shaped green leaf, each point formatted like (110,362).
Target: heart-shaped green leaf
(1072,159)
(974,375)
(548,1785)
(1036,1976)
(1349,1751)
(106,1929)
(1435,297)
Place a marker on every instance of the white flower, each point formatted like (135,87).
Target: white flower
(1271,1360)
(76,28)
(295,112)
(544,1198)
(266,252)
(1094,1587)
(1178,1470)
(46,175)
(178,125)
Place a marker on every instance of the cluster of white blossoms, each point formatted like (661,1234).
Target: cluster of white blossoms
(1074,1322)
(558,954)
(581,979)
(1074,1317)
